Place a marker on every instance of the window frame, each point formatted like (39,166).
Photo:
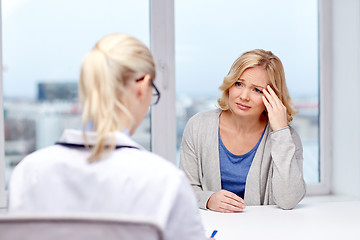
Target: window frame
(325,100)
(163,117)
(3,193)
(162,45)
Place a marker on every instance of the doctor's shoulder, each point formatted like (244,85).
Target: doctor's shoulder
(145,161)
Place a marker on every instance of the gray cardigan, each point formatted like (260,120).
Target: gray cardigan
(275,175)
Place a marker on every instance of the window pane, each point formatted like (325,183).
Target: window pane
(43,45)
(211,34)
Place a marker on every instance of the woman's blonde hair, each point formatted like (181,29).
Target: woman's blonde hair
(274,69)
(105,72)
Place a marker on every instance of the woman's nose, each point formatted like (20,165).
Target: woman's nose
(244,94)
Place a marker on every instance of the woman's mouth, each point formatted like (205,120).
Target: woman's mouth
(242,106)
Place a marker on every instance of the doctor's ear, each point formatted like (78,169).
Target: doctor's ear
(142,86)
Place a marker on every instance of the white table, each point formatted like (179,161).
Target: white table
(338,220)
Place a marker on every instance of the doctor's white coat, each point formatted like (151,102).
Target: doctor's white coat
(59,179)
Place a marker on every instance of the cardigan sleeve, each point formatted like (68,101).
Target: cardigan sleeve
(288,185)
(190,161)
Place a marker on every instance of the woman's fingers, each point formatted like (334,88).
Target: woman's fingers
(225,201)
(224,210)
(232,197)
(276,110)
(272,97)
(266,103)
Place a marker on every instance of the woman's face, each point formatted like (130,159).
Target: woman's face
(245,96)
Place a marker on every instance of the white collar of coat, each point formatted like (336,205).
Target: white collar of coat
(76,137)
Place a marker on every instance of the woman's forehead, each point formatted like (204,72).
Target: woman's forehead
(255,76)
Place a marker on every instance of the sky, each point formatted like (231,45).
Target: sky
(46,40)
(211,34)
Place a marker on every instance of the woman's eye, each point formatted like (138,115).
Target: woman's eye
(258,91)
(238,84)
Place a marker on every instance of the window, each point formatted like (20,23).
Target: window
(210,35)
(43,45)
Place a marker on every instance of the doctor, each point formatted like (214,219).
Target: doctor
(104,170)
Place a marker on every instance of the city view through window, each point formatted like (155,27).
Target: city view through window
(42,53)
(43,46)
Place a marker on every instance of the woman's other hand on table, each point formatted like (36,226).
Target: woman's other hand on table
(225,201)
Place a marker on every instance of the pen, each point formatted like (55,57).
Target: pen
(213,233)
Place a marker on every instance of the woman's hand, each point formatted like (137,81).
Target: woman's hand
(276,110)
(225,201)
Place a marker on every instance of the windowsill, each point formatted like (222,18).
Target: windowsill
(328,198)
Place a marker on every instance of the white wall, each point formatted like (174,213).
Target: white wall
(2,153)
(346,92)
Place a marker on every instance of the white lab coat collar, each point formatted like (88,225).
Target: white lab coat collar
(76,137)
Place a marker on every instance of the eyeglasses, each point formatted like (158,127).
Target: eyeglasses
(155,94)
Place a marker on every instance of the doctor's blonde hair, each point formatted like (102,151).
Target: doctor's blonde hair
(105,72)
(274,69)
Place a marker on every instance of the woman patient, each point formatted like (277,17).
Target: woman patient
(245,152)
(102,169)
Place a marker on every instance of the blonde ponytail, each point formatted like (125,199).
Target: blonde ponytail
(104,75)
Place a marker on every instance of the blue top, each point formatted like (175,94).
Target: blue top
(235,168)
